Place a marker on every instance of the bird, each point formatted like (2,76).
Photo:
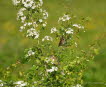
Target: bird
(62,41)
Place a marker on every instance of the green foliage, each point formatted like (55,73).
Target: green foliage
(67,61)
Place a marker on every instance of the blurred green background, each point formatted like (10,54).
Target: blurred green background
(13,43)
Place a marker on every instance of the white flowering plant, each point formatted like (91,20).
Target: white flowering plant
(55,60)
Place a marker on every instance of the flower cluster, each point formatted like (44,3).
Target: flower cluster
(78,26)
(45,14)
(28,3)
(32,16)
(16,2)
(65,18)
(32,33)
(66,29)
(53,30)
(20,84)
(30,53)
(20,15)
(52,69)
(48,38)
(52,60)
(69,31)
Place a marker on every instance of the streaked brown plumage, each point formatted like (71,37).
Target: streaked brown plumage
(62,41)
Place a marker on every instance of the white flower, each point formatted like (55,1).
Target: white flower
(78,26)
(52,69)
(20,12)
(23,19)
(20,84)
(1,83)
(40,20)
(30,53)
(45,14)
(28,3)
(44,24)
(53,30)
(34,6)
(41,2)
(32,33)
(78,85)
(25,25)
(16,2)
(47,38)
(69,31)
(65,18)
(29,23)
(22,28)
